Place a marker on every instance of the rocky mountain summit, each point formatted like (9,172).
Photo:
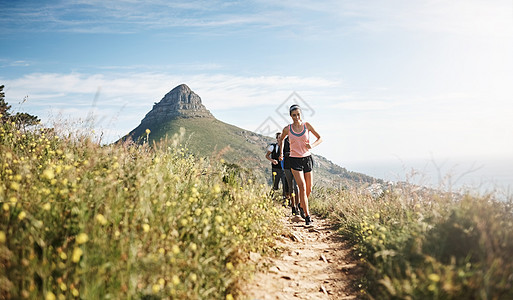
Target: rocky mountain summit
(180,102)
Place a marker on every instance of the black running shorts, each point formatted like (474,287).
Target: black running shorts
(304,164)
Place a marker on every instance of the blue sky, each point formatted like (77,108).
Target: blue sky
(390,82)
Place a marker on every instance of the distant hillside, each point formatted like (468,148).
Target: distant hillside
(208,137)
(211,137)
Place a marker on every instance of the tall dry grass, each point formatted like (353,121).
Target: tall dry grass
(420,244)
(123,221)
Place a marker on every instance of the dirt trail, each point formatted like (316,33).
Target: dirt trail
(315,264)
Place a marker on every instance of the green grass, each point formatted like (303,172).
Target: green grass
(210,137)
(417,244)
(124,221)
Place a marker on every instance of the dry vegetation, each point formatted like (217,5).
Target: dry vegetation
(419,244)
(124,221)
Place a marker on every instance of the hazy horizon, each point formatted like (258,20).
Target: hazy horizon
(484,176)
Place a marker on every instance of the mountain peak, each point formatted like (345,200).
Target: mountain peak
(180,102)
(182,88)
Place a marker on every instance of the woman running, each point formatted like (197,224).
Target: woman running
(300,157)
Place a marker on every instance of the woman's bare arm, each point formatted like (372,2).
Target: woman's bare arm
(316,134)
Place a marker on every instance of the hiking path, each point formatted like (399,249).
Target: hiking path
(316,263)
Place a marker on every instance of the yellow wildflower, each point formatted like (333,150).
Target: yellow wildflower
(146,227)
(175,249)
(434,277)
(47,206)
(193,246)
(77,254)
(3,238)
(50,296)
(208,211)
(229,266)
(15,186)
(175,279)
(22,215)
(82,238)
(48,174)
(229,297)
(101,219)
(148,131)
(156,287)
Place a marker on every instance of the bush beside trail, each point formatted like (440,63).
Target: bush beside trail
(419,244)
(123,221)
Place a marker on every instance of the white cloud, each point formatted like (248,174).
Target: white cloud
(471,18)
(136,16)
(133,94)
(364,105)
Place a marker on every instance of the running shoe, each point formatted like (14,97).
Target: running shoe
(308,220)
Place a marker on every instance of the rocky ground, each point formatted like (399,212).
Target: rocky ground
(316,264)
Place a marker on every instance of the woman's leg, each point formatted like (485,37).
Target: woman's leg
(301,184)
(296,192)
(308,182)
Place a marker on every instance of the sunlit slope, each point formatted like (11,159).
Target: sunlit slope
(209,137)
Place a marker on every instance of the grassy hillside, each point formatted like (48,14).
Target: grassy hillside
(425,244)
(213,138)
(210,137)
(83,221)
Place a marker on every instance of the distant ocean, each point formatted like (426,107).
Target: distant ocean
(481,177)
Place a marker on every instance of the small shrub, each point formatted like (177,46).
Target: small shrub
(419,244)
